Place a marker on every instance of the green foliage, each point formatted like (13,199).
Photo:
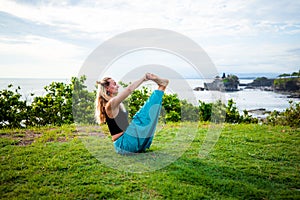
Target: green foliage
(232,79)
(14,110)
(205,111)
(246,118)
(296,73)
(55,107)
(172,116)
(232,113)
(189,112)
(61,104)
(273,118)
(287,84)
(292,74)
(219,112)
(137,100)
(261,79)
(68,103)
(284,75)
(172,106)
(289,117)
(214,112)
(83,102)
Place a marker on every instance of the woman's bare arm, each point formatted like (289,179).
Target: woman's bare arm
(112,106)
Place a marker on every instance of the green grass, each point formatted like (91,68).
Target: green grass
(248,162)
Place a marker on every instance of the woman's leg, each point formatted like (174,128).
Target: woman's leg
(139,134)
(150,110)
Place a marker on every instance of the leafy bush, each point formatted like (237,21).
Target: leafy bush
(172,106)
(232,113)
(54,108)
(69,103)
(14,110)
(289,117)
(219,112)
(83,102)
(205,111)
(136,100)
(246,118)
(189,112)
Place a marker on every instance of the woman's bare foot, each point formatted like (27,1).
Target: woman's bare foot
(157,79)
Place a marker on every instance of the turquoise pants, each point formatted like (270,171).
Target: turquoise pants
(139,134)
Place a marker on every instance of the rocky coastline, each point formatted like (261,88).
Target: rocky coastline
(289,86)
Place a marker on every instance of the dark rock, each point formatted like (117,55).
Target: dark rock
(294,96)
(229,83)
(262,82)
(199,89)
(287,84)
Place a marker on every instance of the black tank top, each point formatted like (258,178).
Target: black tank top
(117,124)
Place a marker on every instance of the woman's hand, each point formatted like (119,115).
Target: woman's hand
(147,77)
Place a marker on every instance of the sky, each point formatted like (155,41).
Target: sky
(52,39)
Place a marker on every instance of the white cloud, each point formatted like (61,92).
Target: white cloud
(210,23)
(33,56)
(103,18)
(255,57)
(39,47)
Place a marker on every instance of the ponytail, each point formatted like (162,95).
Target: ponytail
(102,98)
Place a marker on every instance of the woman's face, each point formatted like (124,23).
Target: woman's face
(113,87)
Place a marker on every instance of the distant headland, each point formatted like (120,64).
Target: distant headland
(284,83)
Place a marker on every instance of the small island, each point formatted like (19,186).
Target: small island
(227,83)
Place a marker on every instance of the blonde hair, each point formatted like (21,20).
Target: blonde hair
(101,99)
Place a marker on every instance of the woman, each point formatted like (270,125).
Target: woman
(137,136)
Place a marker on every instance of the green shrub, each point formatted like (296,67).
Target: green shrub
(246,118)
(189,112)
(14,110)
(61,102)
(136,100)
(219,112)
(205,111)
(232,113)
(83,102)
(55,107)
(289,117)
(172,106)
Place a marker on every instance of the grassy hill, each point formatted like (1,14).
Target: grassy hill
(248,162)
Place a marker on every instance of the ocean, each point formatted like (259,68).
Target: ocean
(29,85)
(246,99)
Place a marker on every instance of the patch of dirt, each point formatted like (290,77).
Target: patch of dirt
(90,131)
(24,138)
(27,137)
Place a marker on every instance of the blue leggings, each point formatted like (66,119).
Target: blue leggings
(139,134)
